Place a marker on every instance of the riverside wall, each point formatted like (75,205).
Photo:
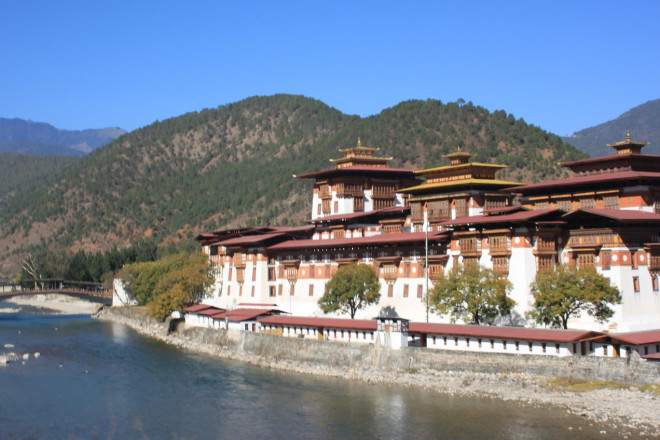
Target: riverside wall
(312,355)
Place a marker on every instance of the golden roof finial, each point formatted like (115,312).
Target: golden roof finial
(359,144)
(458,149)
(628,135)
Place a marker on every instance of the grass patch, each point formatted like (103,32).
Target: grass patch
(653,388)
(581,385)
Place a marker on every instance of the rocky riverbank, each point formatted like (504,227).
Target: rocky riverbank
(632,412)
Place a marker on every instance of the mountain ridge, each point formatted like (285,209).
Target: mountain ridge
(643,122)
(29,137)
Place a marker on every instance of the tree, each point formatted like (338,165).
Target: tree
(566,291)
(352,287)
(473,294)
(181,286)
(168,284)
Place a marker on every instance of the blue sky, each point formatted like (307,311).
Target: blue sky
(561,65)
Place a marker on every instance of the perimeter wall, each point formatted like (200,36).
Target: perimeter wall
(270,350)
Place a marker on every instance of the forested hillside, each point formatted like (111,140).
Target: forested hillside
(21,175)
(643,122)
(233,166)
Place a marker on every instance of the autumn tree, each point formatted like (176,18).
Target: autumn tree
(168,284)
(352,288)
(566,290)
(475,295)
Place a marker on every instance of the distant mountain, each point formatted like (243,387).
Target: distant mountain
(233,166)
(27,137)
(643,122)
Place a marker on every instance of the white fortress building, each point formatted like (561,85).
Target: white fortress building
(412,226)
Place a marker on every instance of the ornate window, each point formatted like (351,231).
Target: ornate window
(606,260)
(358,204)
(501,265)
(439,211)
(393,228)
(587,203)
(585,259)
(545,262)
(461,208)
(468,244)
(416,212)
(565,205)
(611,202)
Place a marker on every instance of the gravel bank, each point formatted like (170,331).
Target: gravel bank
(634,412)
(57,304)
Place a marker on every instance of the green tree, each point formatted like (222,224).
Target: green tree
(181,286)
(475,295)
(565,291)
(141,279)
(352,287)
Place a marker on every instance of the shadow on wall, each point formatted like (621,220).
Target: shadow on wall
(513,319)
(388,312)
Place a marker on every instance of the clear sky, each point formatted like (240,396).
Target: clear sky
(561,65)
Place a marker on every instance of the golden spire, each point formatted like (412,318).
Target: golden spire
(359,144)
(628,146)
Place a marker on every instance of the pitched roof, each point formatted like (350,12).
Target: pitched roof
(460,183)
(629,215)
(359,215)
(610,158)
(639,338)
(239,315)
(199,307)
(360,170)
(509,333)
(353,324)
(519,216)
(594,178)
(380,239)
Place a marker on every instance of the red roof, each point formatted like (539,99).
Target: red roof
(355,215)
(238,315)
(211,311)
(654,356)
(250,239)
(380,239)
(198,307)
(594,178)
(358,170)
(612,157)
(639,338)
(351,324)
(620,214)
(519,216)
(510,333)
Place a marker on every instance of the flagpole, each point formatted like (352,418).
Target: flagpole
(426,262)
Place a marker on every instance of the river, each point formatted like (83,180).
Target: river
(100,380)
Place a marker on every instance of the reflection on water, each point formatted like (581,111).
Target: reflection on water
(102,380)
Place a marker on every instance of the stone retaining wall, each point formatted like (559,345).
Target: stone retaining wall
(269,349)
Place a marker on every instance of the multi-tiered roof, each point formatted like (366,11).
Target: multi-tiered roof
(460,174)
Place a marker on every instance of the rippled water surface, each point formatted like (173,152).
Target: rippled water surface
(98,380)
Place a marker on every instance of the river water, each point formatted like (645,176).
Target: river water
(98,380)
